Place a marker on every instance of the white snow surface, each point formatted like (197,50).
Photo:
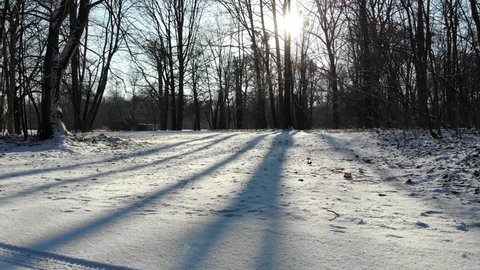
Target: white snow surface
(241,200)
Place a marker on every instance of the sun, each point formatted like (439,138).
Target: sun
(292,23)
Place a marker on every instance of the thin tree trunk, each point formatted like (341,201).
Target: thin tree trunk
(476,18)
(260,120)
(238,93)
(288,86)
(278,61)
(267,68)
(75,89)
(196,104)
(421,68)
(13,103)
(365,66)
(173,106)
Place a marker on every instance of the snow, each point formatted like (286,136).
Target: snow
(241,200)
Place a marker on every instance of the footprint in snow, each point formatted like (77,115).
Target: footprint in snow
(337,229)
(466,227)
(421,225)
(394,236)
(430,212)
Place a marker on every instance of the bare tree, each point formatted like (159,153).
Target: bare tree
(288,73)
(11,64)
(243,12)
(266,64)
(56,61)
(329,14)
(114,35)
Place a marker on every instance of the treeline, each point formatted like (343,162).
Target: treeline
(238,64)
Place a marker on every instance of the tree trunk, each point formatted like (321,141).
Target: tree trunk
(55,64)
(288,86)
(13,102)
(3,18)
(334,87)
(173,106)
(75,89)
(476,19)
(181,82)
(219,104)
(160,87)
(278,61)
(238,93)
(268,71)
(196,103)
(365,67)
(421,68)
(260,120)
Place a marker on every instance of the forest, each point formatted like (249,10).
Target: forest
(80,65)
(239,134)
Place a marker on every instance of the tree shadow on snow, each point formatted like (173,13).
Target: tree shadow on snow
(140,153)
(29,258)
(97,224)
(259,200)
(99,175)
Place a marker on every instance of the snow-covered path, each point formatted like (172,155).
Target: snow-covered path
(233,200)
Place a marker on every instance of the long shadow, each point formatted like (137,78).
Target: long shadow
(355,155)
(96,224)
(260,199)
(111,159)
(40,255)
(44,187)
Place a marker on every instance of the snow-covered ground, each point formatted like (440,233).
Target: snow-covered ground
(242,200)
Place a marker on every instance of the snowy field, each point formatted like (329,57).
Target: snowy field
(242,200)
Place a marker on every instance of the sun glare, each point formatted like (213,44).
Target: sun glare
(292,23)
